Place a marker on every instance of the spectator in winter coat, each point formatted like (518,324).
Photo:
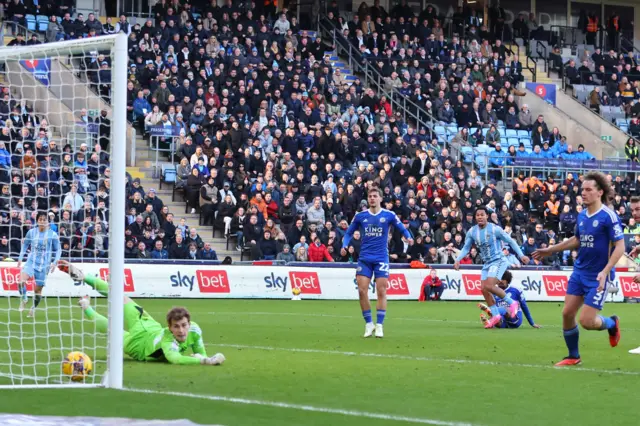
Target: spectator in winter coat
(318,252)
(268,246)
(286,255)
(315,213)
(159,252)
(207,253)
(432,287)
(529,246)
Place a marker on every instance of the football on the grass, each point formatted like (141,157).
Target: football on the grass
(77,365)
(295,291)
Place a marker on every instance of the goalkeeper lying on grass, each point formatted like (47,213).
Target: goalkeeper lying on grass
(145,339)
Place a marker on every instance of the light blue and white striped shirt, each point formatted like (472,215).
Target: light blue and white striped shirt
(44,246)
(489,241)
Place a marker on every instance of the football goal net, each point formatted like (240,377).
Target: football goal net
(63,141)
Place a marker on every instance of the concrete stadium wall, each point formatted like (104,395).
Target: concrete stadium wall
(590,120)
(571,126)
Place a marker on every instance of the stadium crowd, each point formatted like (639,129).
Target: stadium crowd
(276,147)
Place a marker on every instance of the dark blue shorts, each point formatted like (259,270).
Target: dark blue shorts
(369,269)
(587,287)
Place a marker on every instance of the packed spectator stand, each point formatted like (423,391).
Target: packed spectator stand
(276,142)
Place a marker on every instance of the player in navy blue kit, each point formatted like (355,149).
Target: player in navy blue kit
(600,243)
(517,295)
(373,225)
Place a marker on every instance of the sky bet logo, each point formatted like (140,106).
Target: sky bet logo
(396,285)
(10,279)
(128,278)
(556,285)
(472,284)
(629,288)
(215,281)
(307,282)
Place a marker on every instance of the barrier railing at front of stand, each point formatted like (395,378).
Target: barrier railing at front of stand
(320,281)
(559,167)
(155,145)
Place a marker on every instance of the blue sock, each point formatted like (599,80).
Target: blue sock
(508,299)
(571,338)
(494,310)
(367,316)
(380,316)
(607,323)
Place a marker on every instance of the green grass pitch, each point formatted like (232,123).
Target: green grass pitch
(305,363)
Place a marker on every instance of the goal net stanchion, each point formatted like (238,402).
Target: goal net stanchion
(54,87)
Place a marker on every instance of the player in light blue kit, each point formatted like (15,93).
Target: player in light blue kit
(517,295)
(374,226)
(488,238)
(42,259)
(599,240)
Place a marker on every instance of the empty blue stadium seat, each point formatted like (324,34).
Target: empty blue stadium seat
(484,131)
(511,133)
(440,130)
(503,133)
(43,22)
(31,22)
(523,134)
(467,153)
(513,141)
(481,162)
(483,148)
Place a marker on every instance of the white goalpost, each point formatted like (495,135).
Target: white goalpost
(70,96)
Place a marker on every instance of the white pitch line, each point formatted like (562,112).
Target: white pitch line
(392,318)
(313,408)
(427,359)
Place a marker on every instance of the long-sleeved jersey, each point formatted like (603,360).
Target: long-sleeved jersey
(518,296)
(149,341)
(489,241)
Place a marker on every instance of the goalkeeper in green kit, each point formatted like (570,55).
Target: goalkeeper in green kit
(144,338)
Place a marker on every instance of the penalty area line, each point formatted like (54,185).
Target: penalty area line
(428,359)
(303,407)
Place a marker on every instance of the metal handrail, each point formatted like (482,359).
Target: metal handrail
(533,70)
(541,50)
(374,79)
(21,29)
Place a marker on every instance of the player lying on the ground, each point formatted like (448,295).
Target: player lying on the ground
(145,339)
(517,295)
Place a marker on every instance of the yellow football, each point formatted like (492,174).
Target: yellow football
(77,365)
(295,291)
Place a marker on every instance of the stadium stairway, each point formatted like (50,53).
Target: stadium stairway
(145,159)
(541,74)
(144,170)
(336,62)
